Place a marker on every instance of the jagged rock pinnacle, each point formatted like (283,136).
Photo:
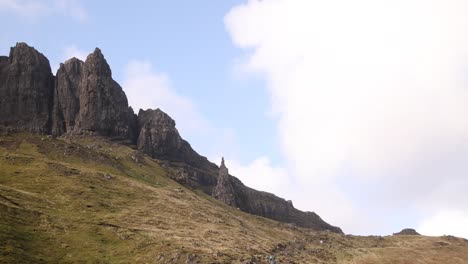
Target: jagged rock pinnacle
(84,98)
(224,191)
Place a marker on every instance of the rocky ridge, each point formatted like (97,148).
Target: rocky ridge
(83,98)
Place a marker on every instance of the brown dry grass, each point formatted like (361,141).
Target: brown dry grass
(59,205)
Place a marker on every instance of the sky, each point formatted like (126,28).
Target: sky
(357,110)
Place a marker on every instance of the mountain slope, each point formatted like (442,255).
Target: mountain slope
(91,200)
(83,98)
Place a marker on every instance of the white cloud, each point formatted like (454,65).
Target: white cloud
(446,223)
(146,88)
(373,92)
(72,8)
(23,8)
(68,53)
(73,51)
(35,8)
(261,174)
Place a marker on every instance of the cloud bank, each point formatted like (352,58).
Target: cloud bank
(147,88)
(371,98)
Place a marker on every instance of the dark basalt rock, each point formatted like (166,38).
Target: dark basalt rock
(233,192)
(271,206)
(26,90)
(66,96)
(223,190)
(84,98)
(192,177)
(160,139)
(407,232)
(103,104)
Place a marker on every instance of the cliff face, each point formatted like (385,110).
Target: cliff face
(233,192)
(66,94)
(26,90)
(103,104)
(84,98)
(160,139)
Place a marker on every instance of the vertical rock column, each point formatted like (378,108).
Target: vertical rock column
(224,191)
(103,105)
(66,96)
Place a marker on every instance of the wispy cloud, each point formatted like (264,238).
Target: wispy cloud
(147,88)
(24,8)
(74,51)
(31,9)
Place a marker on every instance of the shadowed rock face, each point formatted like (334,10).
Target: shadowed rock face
(223,190)
(271,206)
(160,139)
(233,192)
(26,90)
(84,98)
(103,104)
(66,96)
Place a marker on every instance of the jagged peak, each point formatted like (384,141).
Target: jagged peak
(23,53)
(222,168)
(72,60)
(96,62)
(97,51)
(22,46)
(157,114)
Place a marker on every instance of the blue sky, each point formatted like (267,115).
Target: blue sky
(190,44)
(354,109)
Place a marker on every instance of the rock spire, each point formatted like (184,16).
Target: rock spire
(224,191)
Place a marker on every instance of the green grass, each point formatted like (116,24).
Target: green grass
(85,200)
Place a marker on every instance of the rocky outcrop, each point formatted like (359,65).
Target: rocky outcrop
(160,139)
(192,177)
(83,98)
(26,90)
(407,232)
(233,192)
(103,104)
(223,190)
(271,206)
(66,96)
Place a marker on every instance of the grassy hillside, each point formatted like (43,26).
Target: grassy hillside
(90,200)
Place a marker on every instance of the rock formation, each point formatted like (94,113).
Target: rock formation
(407,232)
(233,192)
(84,98)
(103,104)
(66,96)
(223,190)
(160,139)
(26,90)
